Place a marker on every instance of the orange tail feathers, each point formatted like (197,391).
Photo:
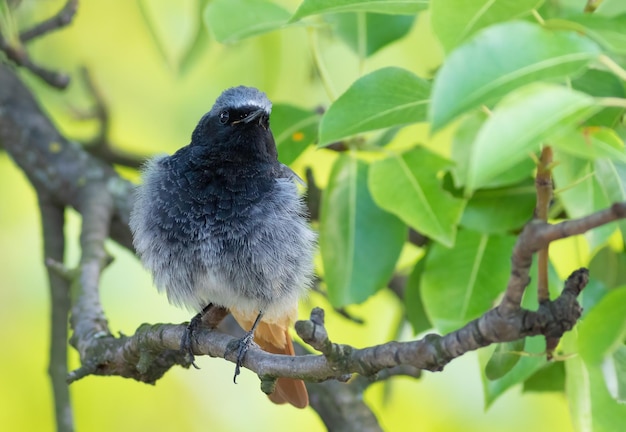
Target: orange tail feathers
(288,390)
(274,338)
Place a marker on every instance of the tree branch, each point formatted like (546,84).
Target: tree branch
(53,164)
(100,146)
(16,52)
(88,320)
(544,186)
(341,407)
(53,220)
(63,18)
(159,343)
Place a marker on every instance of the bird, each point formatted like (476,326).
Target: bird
(221,223)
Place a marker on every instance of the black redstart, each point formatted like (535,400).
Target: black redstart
(221,222)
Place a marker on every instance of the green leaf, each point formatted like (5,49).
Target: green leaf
(500,210)
(9,30)
(519,124)
(415,312)
(462,142)
(199,47)
(592,143)
(452,25)
(503,359)
(581,194)
(550,378)
(614,371)
(407,186)
(379,30)
(172,26)
(611,7)
(609,32)
(601,84)
(387,97)
(460,284)
(604,328)
(592,406)
(601,338)
(462,148)
(608,267)
(502,58)
(611,177)
(395,7)
(525,367)
(577,385)
(294,130)
(359,242)
(233,20)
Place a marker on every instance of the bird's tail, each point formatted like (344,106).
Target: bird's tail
(274,338)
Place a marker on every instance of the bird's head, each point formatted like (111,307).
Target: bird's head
(238,125)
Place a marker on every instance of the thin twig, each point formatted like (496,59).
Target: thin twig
(63,18)
(537,235)
(17,52)
(52,219)
(21,58)
(544,186)
(100,146)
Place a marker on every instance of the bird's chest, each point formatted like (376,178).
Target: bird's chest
(227,209)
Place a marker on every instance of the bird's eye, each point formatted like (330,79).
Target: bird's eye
(243,115)
(223,117)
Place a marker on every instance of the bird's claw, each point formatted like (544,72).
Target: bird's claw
(241,346)
(186,343)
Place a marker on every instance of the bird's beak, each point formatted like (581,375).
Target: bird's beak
(254,115)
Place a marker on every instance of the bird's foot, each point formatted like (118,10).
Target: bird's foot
(186,343)
(240,346)
(210,317)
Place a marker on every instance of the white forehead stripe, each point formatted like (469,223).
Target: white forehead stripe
(237,97)
(253,102)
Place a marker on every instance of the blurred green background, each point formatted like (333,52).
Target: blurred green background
(138,55)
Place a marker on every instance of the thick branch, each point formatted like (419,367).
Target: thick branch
(148,354)
(341,407)
(88,320)
(54,165)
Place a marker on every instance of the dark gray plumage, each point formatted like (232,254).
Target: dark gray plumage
(221,220)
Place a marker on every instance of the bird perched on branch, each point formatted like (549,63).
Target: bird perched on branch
(221,223)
